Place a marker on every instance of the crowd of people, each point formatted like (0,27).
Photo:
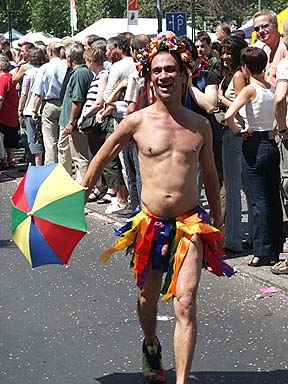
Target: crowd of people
(146,124)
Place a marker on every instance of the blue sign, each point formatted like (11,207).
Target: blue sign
(176,22)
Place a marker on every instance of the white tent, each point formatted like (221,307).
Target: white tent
(15,34)
(35,36)
(111,27)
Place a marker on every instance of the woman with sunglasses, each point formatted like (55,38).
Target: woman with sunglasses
(261,171)
(233,82)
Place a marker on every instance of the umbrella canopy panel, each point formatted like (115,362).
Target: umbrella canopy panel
(48,215)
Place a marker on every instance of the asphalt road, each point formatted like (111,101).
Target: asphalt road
(78,324)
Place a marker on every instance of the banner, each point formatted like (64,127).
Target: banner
(73,16)
(132,12)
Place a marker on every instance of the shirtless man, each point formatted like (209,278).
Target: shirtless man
(171,140)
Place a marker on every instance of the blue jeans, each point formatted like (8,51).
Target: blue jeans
(31,129)
(261,175)
(232,169)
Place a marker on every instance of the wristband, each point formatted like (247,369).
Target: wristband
(283,130)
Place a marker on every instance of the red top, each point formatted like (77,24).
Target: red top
(9,110)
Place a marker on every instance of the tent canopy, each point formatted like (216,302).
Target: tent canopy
(111,27)
(15,34)
(31,37)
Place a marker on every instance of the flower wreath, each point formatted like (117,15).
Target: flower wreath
(165,43)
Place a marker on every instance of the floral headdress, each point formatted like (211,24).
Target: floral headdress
(165,43)
(145,56)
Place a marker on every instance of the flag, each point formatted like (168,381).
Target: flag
(73,16)
(132,12)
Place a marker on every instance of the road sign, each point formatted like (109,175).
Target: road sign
(176,22)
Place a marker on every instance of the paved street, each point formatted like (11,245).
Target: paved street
(78,325)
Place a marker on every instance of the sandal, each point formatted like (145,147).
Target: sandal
(95,195)
(106,199)
(280,268)
(261,261)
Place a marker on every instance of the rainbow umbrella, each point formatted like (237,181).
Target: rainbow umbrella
(48,217)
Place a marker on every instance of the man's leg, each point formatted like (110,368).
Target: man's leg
(64,151)
(185,310)
(147,309)
(50,130)
(147,305)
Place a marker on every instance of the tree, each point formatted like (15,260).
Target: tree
(20,12)
(53,16)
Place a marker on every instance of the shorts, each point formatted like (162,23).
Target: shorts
(11,136)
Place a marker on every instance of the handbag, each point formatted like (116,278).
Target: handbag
(94,127)
(38,136)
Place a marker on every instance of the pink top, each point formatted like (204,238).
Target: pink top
(271,68)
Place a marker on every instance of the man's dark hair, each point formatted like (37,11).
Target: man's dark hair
(90,39)
(239,33)
(37,57)
(28,45)
(124,44)
(203,36)
(255,59)
(225,28)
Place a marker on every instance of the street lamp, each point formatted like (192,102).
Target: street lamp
(9,20)
(159,15)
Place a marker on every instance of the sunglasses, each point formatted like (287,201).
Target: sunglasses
(262,26)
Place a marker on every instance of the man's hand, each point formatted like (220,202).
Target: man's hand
(69,128)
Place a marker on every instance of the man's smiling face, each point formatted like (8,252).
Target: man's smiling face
(265,30)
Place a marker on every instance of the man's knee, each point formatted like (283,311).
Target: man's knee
(185,305)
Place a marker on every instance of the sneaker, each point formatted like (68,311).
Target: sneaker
(115,207)
(152,363)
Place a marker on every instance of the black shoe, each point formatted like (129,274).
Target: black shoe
(152,363)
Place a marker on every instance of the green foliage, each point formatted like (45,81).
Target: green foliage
(20,12)
(53,16)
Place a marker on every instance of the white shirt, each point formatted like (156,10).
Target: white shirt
(259,113)
(49,79)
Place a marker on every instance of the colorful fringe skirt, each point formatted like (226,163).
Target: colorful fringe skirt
(144,236)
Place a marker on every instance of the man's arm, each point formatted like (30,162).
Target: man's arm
(280,105)
(74,114)
(210,176)
(109,150)
(113,79)
(36,105)
(206,100)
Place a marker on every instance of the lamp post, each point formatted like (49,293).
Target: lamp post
(159,15)
(193,26)
(9,20)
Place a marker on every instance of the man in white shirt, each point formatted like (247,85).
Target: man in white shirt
(47,89)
